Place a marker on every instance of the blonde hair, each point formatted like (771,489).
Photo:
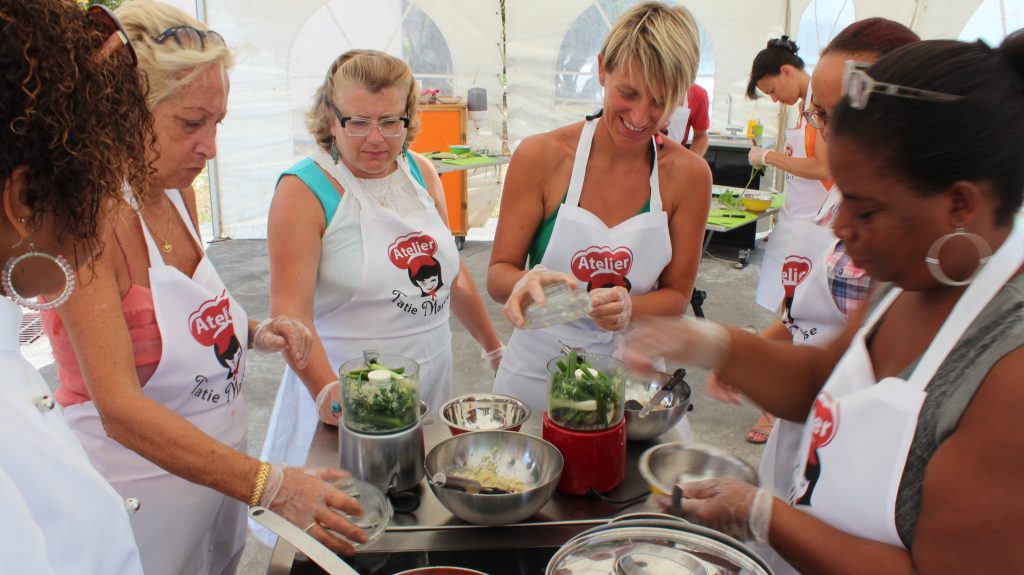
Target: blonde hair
(664,42)
(369,69)
(169,65)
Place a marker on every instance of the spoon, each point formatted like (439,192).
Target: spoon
(464,484)
(670,383)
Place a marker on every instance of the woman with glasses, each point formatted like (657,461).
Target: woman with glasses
(908,462)
(598,205)
(150,350)
(360,249)
(57,513)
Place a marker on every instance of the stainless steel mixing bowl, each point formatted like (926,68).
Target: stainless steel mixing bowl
(484,411)
(535,461)
(666,464)
(661,419)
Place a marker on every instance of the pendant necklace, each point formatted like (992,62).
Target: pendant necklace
(165,245)
(387,192)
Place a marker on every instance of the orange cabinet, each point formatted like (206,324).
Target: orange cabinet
(440,126)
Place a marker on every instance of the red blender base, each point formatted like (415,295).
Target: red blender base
(593,459)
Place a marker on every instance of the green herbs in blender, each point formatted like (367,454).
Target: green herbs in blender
(582,397)
(378,399)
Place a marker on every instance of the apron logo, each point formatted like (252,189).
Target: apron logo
(824,424)
(414,252)
(789,150)
(795,270)
(212,326)
(603,267)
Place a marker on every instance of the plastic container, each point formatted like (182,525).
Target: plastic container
(377,510)
(380,393)
(756,202)
(459,149)
(586,392)
(562,304)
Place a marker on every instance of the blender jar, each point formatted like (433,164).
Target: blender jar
(380,393)
(586,392)
(562,304)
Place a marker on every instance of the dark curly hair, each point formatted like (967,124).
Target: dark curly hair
(77,121)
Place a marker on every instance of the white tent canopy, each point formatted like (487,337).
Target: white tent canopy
(550,52)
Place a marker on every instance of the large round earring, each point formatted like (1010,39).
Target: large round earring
(335,154)
(69,280)
(935,266)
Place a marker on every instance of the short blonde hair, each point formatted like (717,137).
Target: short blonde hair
(664,42)
(169,65)
(369,69)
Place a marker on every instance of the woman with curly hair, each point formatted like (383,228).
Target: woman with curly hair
(151,352)
(61,170)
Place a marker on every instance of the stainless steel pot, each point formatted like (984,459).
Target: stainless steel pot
(655,543)
(392,461)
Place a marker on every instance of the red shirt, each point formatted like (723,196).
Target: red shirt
(697,101)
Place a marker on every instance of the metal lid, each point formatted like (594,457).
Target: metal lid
(654,547)
(377,510)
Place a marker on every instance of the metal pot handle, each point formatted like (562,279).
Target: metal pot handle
(302,541)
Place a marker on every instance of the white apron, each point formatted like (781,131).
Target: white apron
(860,431)
(57,514)
(633,254)
(182,527)
(804,199)
(677,122)
(389,312)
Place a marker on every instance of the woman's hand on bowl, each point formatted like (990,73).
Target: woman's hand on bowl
(304,497)
(611,308)
(530,289)
(736,508)
(287,334)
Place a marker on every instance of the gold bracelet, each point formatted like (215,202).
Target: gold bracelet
(260,485)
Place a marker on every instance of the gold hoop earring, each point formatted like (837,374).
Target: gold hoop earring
(8,284)
(935,266)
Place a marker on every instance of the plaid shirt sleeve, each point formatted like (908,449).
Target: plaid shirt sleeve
(847,282)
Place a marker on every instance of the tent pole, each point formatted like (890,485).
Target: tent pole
(211,166)
(779,179)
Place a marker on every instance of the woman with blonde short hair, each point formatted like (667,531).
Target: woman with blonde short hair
(599,205)
(150,350)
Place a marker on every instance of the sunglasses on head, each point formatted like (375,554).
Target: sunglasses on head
(190,37)
(858,87)
(118,38)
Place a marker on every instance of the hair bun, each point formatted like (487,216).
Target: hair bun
(784,43)
(1012,50)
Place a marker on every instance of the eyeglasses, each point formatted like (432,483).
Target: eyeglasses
(359,127)
(189,37)
(815,119)
(118,35)
(858,86)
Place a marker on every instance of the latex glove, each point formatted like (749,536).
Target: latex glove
(756,155)
(717,389)
(691,342)
(611,308)
(530,289)
(328,403)
(303,497)
(733,507)
(284,333)
(493,357)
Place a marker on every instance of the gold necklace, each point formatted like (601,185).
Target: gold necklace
(387,192)
(164,244)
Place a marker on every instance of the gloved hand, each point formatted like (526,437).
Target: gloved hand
(529,289)
(303,497)
(328,403)
(757,155)
(691,342)
(733,507)
(493,357)
(716,388)
(284,333)
(611,308)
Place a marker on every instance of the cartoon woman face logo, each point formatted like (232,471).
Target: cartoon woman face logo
(426,276)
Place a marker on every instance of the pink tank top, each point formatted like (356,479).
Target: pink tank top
(139,314)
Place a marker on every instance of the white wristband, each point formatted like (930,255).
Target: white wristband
(764,156)
(496,352)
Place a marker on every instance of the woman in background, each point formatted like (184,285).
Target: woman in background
(62,161)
